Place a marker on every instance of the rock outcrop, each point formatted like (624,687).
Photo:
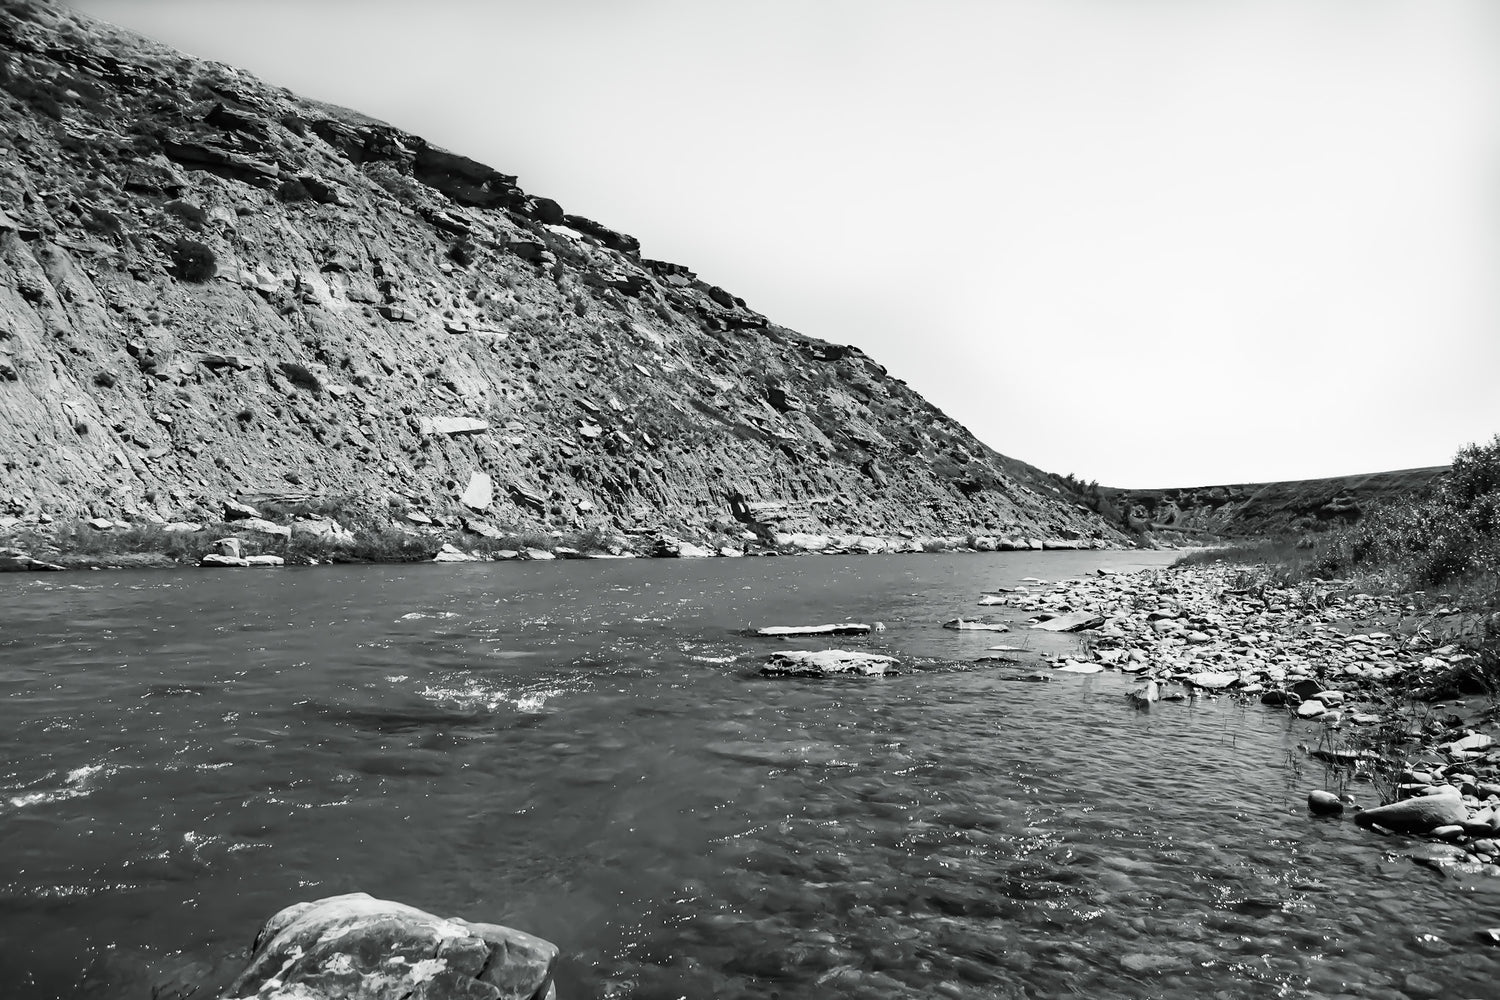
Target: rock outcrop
(212,289)
(358,946)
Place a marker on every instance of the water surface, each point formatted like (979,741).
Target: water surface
(584,750)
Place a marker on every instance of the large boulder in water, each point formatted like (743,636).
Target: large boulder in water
(1417,815)
(828,663)
(356,947)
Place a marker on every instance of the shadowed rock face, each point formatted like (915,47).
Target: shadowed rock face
(356,946)
(212,288)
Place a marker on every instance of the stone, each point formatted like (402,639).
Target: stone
(482,528)
(452,425)
(234,511)
(967,625)
(229,547)
(1324,803)
(264,560)
(215,559)
(1416,815)
(828,662)
(1307,688)
(100,523)
(479,494)
(356,946)
(842,628)
(452,554)
(1471,743)
(1075,621)
(537,555)
(1311,709)
(263,526)
(181,527)
(324,530)
(1214,680)
(1075,667)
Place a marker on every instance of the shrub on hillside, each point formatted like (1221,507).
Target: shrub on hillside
(194,261)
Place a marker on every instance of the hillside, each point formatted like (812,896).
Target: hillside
(212,290)
(1260,509)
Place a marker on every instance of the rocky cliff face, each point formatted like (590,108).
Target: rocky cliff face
(212,289)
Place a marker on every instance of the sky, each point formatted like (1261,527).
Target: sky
(1152,243)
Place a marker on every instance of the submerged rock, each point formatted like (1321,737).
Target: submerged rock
(356,946)
(966,625)
(827,663)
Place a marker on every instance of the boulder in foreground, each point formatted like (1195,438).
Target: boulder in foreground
(828,663)
(356,946)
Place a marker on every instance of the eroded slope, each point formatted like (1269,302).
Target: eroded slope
(211,288)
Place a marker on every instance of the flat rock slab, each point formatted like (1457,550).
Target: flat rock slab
(842,628)
(359,946)
(828,663)
(1074,667)
(1075,621)
(965,625)
(1214,680)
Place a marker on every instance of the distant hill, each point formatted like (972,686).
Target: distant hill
(1254,509)
(213,289)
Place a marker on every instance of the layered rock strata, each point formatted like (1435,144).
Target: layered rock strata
(211,289)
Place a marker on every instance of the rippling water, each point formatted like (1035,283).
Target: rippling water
(583,750)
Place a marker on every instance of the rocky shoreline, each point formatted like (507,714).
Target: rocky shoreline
(247,537)
(1378,686)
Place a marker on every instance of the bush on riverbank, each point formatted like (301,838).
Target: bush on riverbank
(1440,545)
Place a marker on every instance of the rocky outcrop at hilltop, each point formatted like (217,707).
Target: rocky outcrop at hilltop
(212,289)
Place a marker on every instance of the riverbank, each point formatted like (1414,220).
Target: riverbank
(1397,700)
(293,536)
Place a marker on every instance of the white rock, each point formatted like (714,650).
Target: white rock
(480,492)
(452,425)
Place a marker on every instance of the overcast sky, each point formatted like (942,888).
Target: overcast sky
(1149,242)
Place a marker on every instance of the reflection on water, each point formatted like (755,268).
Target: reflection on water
(584,750)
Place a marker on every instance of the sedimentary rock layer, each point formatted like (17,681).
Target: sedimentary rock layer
(211,288)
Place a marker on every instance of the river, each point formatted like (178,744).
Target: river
(584,750)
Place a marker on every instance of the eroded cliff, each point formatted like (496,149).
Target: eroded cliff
(211,288)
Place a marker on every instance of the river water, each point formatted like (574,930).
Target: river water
(584,750)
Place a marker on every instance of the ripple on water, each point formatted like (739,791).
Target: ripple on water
(591,761)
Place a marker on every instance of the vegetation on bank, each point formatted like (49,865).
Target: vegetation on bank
(1440,546)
